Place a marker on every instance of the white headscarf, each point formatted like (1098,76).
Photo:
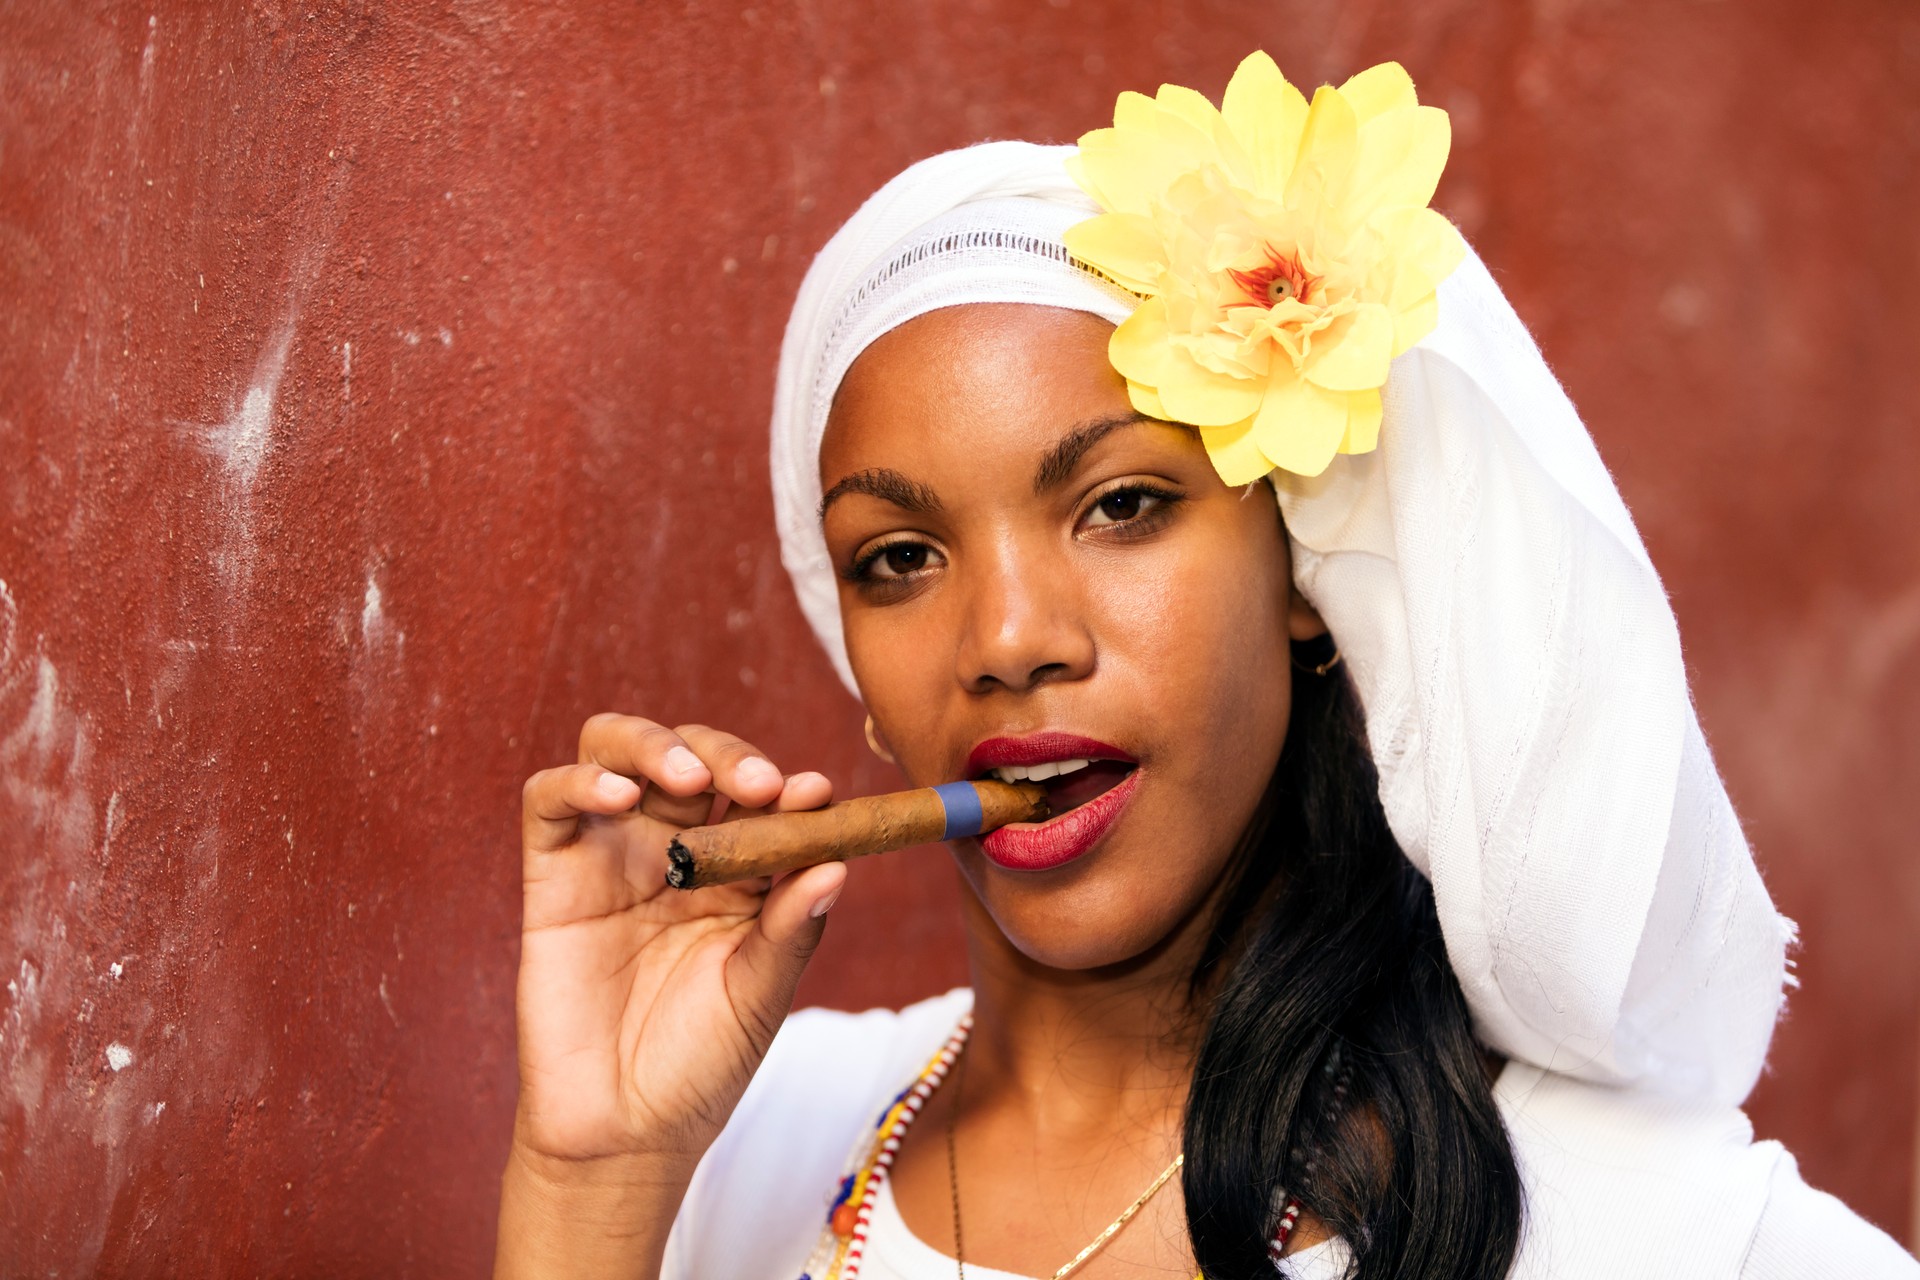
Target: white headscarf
(1519,666)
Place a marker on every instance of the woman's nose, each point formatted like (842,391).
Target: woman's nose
(1022,629)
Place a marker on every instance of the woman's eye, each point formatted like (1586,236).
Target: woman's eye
(894,561)
(901,559)
(1122,505)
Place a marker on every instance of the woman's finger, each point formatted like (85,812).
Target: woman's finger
(553,801)
(807,790)
(678,811)
(741,771)
(641,749)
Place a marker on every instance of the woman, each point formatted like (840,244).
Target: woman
(1392,920)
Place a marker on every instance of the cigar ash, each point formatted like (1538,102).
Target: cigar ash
(680,867)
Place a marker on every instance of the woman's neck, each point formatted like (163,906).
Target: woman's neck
(1094,1050)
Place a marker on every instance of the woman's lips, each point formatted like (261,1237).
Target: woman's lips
(1028,846)
(1038,748)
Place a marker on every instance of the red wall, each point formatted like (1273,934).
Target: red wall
(383,390)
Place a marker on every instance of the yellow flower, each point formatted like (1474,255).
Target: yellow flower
(1285,250)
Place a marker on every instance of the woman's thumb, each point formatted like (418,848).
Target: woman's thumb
(763,973)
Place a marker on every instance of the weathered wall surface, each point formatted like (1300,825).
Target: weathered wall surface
(382,391)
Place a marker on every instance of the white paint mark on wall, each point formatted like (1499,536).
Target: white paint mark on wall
(154,1112)
(373,619)
(9,613)
(109,824)
(23,1065)
(387,1000)
(45,756)
(116,969)
(242,445)
(243,441)
(25,988)
(382,643)
(119,1057)
(37,728)
(146,54)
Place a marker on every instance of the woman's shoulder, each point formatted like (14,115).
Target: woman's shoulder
(1806,1234)
(1631,1182)
(822,1085)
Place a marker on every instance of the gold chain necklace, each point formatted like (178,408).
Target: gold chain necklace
(1112,1228)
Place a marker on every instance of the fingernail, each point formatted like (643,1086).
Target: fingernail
(682,761)
(825,904)
(756,772)
(612,786)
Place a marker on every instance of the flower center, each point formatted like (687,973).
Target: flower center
(1281,278)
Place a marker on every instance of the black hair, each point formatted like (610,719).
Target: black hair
(1339,1065)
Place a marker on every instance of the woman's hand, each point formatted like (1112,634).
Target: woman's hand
(643,1010)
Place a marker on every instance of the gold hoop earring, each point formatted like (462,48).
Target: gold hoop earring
(1320,670)
(874,744)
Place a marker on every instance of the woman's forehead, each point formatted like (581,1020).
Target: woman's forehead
(982,377)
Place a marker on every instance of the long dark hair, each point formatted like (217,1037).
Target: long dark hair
(1339,1064)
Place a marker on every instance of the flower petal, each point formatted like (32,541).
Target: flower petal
(1202,398)
(1378,90)
(1363,423)
(1129,170)
(1400,158)
(1134,111)
(1426,246)
(1188,105)
(1415,322)
(1352,353)
(1234,453)
(1266,115)
(1425,250)
(1299,425)
(1126,171)
(1321,172)
(1138,349)
(1122,245)
(1147,401)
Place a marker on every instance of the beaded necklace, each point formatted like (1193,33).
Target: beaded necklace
(843,1239)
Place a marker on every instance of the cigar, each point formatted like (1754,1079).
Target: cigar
(776,842)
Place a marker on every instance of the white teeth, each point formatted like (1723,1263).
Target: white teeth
(1039,772)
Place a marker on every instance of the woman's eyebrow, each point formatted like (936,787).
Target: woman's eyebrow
(1065,456)
(887,485)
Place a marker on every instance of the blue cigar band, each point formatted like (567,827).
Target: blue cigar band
(964,815)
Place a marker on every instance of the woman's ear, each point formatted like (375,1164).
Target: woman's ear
(1303,620)
(877,744)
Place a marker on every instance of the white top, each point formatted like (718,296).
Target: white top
(1618,1183)
(895,1253)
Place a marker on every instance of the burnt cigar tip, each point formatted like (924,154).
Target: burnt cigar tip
(680,869)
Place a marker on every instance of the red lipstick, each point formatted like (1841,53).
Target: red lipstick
(1073,833)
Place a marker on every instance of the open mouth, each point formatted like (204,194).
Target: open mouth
(1088,785)
(1069,783)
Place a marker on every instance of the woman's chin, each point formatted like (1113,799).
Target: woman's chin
(1090,922)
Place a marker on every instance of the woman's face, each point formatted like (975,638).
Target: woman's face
(1031,573)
